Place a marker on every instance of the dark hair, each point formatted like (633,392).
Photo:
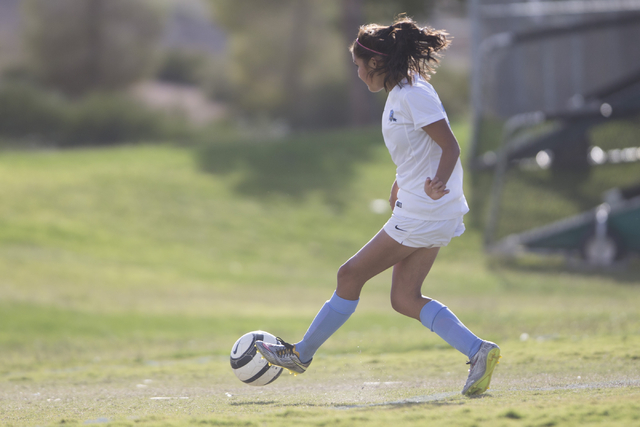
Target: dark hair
(401,50)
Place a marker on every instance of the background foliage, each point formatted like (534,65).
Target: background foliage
(284,62)
(80,46)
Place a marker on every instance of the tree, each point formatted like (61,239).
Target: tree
(274,58)
(359,96)
(82,45)
(289,59)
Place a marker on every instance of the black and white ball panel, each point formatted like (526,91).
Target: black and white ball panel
(248,364)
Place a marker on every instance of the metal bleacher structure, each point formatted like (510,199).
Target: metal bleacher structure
(555,151)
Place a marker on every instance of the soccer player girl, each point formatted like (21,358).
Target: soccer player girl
(426,198)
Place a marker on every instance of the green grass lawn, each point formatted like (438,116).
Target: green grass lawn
(127,273)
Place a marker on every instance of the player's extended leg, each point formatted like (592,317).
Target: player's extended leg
(376,256)
(407,298)
(381,253)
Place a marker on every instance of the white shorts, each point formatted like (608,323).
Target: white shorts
(418,233)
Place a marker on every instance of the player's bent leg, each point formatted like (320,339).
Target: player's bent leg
(376,256)
(439,319)
(408,277)
(406,298)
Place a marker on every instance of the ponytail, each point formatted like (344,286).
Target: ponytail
(401,50)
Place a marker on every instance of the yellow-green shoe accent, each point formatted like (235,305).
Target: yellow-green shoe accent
(482,365)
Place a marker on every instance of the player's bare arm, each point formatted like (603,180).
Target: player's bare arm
(440,132)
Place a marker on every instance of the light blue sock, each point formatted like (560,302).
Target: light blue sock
(439,319)
(331,316)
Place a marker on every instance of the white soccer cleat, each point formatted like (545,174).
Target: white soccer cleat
(482,366)
(282,354)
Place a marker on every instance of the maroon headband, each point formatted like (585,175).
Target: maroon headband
(370,50)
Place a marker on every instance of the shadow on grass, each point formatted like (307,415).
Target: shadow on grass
(295,165)
(254,402)
(438,399)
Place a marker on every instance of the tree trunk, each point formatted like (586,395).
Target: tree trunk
(292,76)
(360,99)
(94,36)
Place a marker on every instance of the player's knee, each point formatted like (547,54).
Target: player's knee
(346,273)
(396,303)
(399,302)
(349,282)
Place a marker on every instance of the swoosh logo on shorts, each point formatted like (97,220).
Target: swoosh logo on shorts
(399,229)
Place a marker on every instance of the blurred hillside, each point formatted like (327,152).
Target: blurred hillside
(188,26)
(196,63)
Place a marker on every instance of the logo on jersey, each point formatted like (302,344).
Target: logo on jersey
(391,118)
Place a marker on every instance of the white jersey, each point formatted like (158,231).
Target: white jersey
(416,155)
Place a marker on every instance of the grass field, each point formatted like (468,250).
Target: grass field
(127,273)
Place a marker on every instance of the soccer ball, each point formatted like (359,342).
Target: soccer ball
(248,364)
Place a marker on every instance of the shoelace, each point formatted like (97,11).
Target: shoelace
(471,367)
(471,362)
(288,348)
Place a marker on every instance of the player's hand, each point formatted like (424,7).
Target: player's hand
(435,188)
